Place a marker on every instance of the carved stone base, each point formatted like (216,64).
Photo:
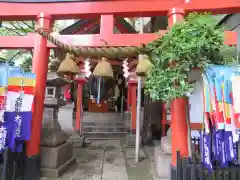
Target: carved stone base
(54,159)
(130,140)
(55,173)
(52,137)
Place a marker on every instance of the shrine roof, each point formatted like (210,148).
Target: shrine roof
(83,22)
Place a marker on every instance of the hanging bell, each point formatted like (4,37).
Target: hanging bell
(143,66)
(103,68)
(68,65)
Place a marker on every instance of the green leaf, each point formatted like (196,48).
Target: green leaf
(195,42)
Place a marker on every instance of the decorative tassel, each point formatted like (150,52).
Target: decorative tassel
(68,65)
(103,69)
(143,66)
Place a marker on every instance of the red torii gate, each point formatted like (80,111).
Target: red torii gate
(45,13)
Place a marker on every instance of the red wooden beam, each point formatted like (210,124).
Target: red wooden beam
(213,6)
(94,40)
(78,10)
(107,25)
(123,8)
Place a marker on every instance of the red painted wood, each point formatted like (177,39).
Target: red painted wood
(179,128)
(94,40)
(178,105)
(106,25)
(133,104)
(213,6)
(79,106)
(79,10)
(129,90)
(40,67)
(123,8)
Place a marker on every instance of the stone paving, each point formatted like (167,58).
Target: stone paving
(108,160)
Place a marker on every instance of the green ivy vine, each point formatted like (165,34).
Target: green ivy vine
(193,43)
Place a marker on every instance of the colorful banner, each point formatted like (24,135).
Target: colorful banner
(17,91)
(221,96)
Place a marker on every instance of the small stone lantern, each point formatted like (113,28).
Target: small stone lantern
(56,152)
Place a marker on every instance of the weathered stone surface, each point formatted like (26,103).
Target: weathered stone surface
(50,118)
(166,145)
(77,140)
(103,125)
(162,162)
(114,172)
(54,157)
(169,133)
(96,162)
(52,137)
(55,173)
(130,140)
(66,119)
(141,171)
(88,172)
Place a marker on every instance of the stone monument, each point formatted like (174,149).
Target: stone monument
(56,151)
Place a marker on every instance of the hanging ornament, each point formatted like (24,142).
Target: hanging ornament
(103,69)
(87,68)
(68,65)
(143,66)
(125,68)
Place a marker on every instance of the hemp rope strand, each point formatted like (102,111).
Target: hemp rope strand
(108,52)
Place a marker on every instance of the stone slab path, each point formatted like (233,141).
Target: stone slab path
(108,160)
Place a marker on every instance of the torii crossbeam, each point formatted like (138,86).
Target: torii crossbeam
(131,8)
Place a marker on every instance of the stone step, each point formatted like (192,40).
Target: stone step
(104,135)
(103,124)
(104,117)
(103,129)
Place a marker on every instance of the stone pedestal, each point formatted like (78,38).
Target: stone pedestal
(166,143)
(162,163)
(56,152)
(56,160)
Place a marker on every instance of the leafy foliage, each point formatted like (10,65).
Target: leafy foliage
(193,43)
(20,28)
(16,28)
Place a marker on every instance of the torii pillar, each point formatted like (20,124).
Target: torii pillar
(178,110)
(132,89)
(40,68)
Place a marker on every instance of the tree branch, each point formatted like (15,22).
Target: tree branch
(24,22)
(10,29)
(12,23)
(21,28)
